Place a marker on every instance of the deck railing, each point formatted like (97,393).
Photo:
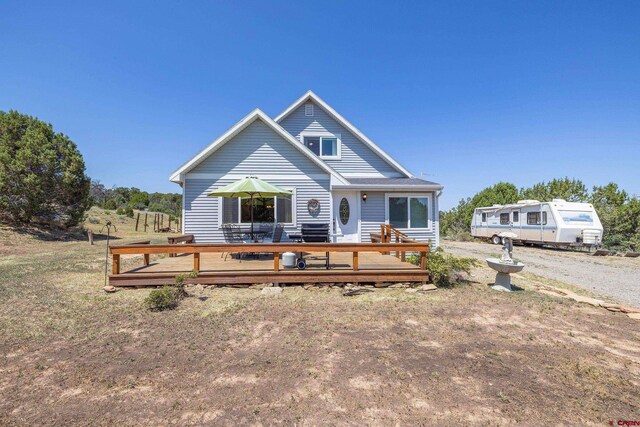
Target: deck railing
(389,234)
(273,248)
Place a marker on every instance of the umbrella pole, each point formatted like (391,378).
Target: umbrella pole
(251,207)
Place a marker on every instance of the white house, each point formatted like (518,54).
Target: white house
(337,175)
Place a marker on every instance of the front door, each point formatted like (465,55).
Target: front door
(346,211)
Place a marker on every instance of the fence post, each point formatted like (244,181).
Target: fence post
(137,220)
(196,262)
(145,222)
(116,264)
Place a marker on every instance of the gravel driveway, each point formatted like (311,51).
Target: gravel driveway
(614,277)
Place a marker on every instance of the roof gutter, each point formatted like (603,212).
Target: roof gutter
(377,187)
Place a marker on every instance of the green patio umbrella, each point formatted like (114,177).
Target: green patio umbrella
(251,187)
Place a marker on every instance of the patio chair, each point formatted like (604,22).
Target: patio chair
(232,235)
(276,237)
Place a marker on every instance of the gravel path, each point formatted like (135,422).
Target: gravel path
(614,277)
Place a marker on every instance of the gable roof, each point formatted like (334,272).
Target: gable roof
(309,95)
(256,114)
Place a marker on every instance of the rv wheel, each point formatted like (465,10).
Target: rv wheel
(496,240)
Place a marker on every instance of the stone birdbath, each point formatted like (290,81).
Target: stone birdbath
(505,265)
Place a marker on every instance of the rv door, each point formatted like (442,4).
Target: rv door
(515,223)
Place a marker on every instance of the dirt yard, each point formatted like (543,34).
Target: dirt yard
(615,277)
(71,354)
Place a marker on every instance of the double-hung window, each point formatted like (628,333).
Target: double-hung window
(408,211)
(237,210)
(326,147)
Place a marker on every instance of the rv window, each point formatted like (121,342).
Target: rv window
(484,217)
(516,216)
(504,219)
(533,218)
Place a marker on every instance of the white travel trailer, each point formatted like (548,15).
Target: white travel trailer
(558,223)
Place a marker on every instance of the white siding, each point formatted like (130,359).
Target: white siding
(357,157)
(373,214)
(260,152)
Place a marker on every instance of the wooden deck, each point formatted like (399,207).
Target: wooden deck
(351,263)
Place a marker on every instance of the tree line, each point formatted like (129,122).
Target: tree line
(618,211)
(125,199)
(43,179)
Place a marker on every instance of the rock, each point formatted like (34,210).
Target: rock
(381,285)
(411,322)
(261,285)
(398,286)
(591,301)
(634,316)
(110,289)
(272,290)
(355,291)
(411,290)
(427,288)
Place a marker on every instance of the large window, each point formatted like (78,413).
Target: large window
(408,211)
(323,146)
(504,219)
(265,209)
(533,218)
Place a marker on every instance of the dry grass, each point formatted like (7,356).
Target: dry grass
(73,354)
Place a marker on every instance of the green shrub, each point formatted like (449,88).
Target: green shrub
(165,298)
(128,211)
(446,270)
(120,211)
(110,204)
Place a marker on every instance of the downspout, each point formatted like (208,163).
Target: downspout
(437,213)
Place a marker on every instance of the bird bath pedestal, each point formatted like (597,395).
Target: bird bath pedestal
(505,265)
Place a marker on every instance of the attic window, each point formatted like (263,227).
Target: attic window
(308,110)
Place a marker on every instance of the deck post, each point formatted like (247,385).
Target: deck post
(276,261)
(423,260)
(397,242)
(116,264)
(196,262)
(355,261)
(147,259)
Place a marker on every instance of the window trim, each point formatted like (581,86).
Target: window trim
(543,218)
(428,196)
(321,135)
(504,215)
(275,209)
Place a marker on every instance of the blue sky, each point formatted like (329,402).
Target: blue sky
(467,94)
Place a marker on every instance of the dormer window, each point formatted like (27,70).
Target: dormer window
(325,147)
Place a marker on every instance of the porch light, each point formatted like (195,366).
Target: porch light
(364,197)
